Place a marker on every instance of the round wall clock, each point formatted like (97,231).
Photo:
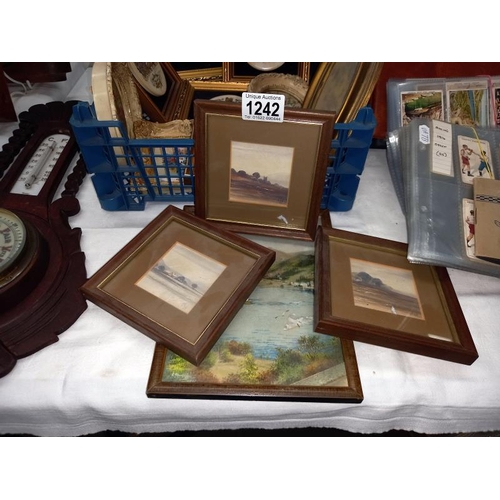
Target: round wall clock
(41,264)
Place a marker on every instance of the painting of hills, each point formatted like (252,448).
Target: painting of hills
(260,173)
(271,340)
(181,277)
(385,288)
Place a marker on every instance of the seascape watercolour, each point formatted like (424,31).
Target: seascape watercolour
(385,288)
(181,277)
(271,340)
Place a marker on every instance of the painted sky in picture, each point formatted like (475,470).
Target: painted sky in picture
(181,277)
(273,162)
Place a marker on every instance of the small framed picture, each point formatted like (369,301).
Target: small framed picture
(172,97)
(261,177)
(270,350)
(180,281)
(475,158)
(368,291)
(468,103)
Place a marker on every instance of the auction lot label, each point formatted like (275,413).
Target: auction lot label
(262,107)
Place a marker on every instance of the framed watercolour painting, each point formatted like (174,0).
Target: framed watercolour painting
(368,291)
(269,351)
(261,177)
(180,281)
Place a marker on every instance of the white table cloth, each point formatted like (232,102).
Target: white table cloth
(94,378)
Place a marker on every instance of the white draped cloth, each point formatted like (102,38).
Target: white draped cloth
(94,378)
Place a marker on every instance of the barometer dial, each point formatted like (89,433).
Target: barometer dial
(12,239)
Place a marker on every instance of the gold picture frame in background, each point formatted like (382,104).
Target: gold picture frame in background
(342,87)
(244,71)
(211,79)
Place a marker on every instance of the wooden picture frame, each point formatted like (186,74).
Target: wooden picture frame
(269,351)
(244,72)
(342,87)
(221,92)
(367,291)
(281,195)
(180,281)
(174,104)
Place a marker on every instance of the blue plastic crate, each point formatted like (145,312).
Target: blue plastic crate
(347,161)
(127,173)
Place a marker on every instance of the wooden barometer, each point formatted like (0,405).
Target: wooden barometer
(41,264)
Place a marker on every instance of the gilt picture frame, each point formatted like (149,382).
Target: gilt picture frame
(180,281)
(367,291)
(342,87)
(261,177)
(245,72)
(211,79)
(269,351)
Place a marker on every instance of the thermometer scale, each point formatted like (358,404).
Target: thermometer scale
(41,164)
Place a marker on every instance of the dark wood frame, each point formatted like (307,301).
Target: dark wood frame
(155,240)
(351,393)
(174,105)
(231,73)
(208,92)
(258,132)
(462,350)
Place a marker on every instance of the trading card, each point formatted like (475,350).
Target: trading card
(475,158)
(467,103)
(421,104)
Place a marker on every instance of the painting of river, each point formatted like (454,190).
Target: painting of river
(271,340)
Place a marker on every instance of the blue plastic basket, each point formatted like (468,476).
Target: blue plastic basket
(127,173)
(347,161)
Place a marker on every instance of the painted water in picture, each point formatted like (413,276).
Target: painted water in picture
(181,277)
(271,340)
(260,173)
(385,288)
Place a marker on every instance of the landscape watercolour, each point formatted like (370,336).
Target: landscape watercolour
(271,340)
